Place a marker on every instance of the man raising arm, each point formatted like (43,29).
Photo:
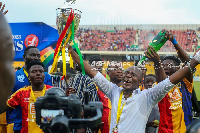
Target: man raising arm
(136,105)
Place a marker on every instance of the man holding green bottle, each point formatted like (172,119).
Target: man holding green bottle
(176,107)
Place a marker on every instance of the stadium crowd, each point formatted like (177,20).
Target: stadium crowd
(131,40)
(133,102)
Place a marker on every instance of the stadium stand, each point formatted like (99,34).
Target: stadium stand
(132,40)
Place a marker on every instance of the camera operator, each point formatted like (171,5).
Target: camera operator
(26,97)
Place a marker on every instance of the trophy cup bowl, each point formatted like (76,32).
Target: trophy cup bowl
(63,13)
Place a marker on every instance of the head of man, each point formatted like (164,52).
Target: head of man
(96,62)
(170,64)
(115,71)
(149,80)
(132,78)
(31,53)
(36,72)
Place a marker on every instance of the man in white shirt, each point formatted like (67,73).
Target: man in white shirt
(130,106)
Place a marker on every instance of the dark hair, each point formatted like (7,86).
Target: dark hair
(27,48)
(149,76)
(176,60)
(32,63)
(94,58)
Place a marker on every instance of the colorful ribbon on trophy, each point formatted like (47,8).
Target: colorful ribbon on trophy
(64,32)
(64,61)
(78,50)
(71,61)
(59,43)
(70,57)
(62,44)
(63,54)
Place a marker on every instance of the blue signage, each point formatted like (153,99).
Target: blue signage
(36,34)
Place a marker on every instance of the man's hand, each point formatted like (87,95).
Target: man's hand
(70,48)
(169,36)
(152,55)
(2,8)
(88,68)
(196,59)
(70,90)
(153,123)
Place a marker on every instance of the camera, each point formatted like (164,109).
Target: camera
(56,113)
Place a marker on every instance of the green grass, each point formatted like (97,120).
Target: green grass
(197,89)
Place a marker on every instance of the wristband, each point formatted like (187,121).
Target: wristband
(197,56)
(174,41)
(192,71)
(159,65)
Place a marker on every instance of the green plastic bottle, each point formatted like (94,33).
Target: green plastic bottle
(157,42)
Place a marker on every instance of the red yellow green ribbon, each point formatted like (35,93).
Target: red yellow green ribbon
(78,50)
(59,43)
(75,45)
(63,34)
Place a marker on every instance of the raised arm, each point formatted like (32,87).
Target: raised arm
(180,74)
(153,56)
(6,70)
(158,92)
(181,54)
(90,71)
(102,83)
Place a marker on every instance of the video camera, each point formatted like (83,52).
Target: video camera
(56,113)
